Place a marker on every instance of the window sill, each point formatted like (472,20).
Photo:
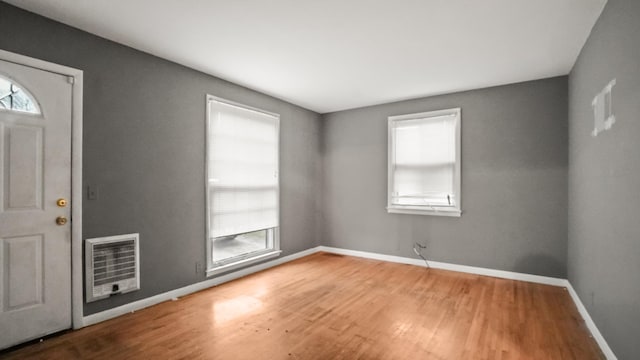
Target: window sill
(452,212)
(242,263)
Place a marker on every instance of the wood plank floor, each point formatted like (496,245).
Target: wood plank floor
(327,306)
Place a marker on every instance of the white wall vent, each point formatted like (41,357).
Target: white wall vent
(112,266)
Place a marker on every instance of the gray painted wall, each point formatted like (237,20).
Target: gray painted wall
(604,175)
(144,143)
(514,181)
(144,119)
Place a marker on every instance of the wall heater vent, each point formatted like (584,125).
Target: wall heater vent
(112,266)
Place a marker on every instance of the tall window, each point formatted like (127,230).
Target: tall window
(242,183)
(424,163)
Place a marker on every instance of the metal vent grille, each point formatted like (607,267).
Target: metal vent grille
(113,262)
(112,266)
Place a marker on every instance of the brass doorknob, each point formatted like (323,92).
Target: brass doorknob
(61,202)
(61,220)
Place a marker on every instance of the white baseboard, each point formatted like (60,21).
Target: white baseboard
(606,350)
(141,304)
(153,300)
(453,267)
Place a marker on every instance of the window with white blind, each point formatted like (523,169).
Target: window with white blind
(424,163)
(242,185)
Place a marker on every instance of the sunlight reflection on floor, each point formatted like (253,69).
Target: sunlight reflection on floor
(233,308)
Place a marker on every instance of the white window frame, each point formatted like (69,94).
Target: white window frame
(258,256)
(456,210)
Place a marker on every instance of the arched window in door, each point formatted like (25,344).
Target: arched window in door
(14,97)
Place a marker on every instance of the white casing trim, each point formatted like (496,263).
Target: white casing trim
(455,211)
(606,350)
(153,300)
(76,171)
(141,304)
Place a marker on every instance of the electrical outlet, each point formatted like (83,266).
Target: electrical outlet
(419,248)
(199,267)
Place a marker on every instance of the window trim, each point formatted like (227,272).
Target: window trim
(213,269)
(454,211)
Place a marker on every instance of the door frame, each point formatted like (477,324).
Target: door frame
(76,78)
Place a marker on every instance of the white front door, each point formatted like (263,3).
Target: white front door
(35,172)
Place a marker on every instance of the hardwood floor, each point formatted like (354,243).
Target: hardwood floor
(327,306)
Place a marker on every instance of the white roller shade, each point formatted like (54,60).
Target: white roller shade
(424,161)
(243,170)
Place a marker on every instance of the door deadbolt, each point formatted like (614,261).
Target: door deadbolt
(61,202)
(61,220)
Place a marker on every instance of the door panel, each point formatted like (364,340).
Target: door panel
(23,269)
(23,164)
(35,171)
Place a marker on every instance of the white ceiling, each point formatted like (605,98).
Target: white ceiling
(329,55)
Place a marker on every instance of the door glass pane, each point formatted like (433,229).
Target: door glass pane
(13,97)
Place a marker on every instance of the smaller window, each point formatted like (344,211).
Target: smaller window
(14,98)
(424,163)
